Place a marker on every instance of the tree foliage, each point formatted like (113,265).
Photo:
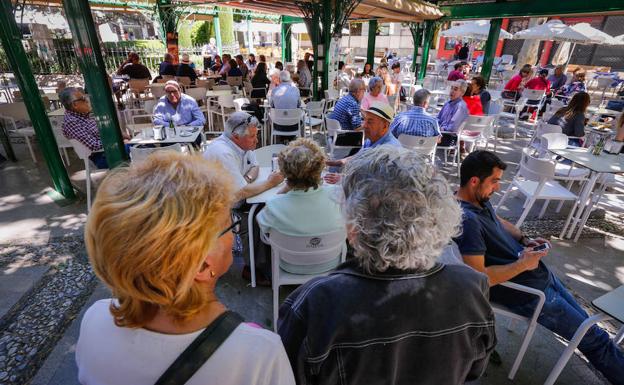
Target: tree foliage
(202,32)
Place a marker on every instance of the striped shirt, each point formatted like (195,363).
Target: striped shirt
(347,112)
(82,128)
(415,122)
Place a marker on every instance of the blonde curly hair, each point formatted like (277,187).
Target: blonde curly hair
(302,162)
(149,231)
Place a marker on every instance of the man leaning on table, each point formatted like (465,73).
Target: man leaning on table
(234,150)
(500,250)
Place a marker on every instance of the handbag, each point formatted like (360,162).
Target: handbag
(200,350)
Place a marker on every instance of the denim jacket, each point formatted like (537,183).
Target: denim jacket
(394,327)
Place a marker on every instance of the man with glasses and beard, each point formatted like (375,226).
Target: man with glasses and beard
(500,250)
(234,149)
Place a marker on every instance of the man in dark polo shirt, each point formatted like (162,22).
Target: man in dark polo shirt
(133,68)
(499,249)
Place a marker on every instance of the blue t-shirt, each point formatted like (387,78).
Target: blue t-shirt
(386,139)
(483,234)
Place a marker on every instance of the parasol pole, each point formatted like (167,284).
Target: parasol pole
(569,57)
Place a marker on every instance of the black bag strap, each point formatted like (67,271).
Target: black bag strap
(200,350)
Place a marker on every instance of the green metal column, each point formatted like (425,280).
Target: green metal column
(87,48)
(11,38)
(490,49)
(327,38)
(316,41)
(417,32)
(249,34)
(429,29)
(167,17)
(286,42)
(372,34)
(217,28)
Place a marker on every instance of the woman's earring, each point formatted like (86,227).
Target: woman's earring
(212,273)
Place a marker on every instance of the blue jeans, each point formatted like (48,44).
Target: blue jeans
(563,315)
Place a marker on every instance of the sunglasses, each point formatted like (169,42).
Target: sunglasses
(246,121)
(235,227)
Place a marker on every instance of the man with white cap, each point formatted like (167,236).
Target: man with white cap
(179,107)
(185,69)
(234,150)
(376,126)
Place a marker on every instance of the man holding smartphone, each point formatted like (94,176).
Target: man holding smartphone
(499,249)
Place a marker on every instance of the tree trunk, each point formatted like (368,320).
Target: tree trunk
(226,22)
(528,53)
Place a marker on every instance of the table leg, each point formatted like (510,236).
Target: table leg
(250,237)
(583,202)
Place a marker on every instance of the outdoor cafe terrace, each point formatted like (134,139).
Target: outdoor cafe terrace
(564,186)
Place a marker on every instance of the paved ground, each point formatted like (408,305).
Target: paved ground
(41,250)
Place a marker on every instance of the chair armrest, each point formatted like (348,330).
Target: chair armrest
(529,290)
(264,237)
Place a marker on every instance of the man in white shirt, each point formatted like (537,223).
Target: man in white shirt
(285,96)
(234,150)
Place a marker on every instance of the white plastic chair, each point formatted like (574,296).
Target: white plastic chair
(235,81)
(11,114)
(285,117)
(139,154)
(334,132)
(604,83)
(224,108)
(301,251)
(264,154)
(452,255)
(61,141)
(239,103)
(541,129)
(315,109)
(83,153)
(536,181)
(422,145)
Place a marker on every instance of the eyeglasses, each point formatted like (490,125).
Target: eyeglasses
(235,227)
(172,92)
(246,121)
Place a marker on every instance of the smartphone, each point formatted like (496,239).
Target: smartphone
(543,246)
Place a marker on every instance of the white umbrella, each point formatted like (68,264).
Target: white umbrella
(596,35)
(478,30)
(553,30)
(557,31)
(618,40)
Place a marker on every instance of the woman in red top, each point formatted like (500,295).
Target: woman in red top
(473,102)
(539,82)
(514,86)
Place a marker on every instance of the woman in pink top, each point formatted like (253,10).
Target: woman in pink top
(374,93)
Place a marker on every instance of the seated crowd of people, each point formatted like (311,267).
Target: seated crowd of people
(161,234)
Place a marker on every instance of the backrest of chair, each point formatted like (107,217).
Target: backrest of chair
(264,154)
(533,94)
(308,249)
(226,101)
(286,117)
(604,82)
(332,94)
(554,141)
(506,59)
(197,93)
(158,92)
(138,154)
(138,85)
(332,126)
(316,108)
(421,144)
(81,150)
(479,123)
(235,80)
(534,168)
(247,86)
(496,106)
(240,102)
(545,128)
(149,105)
(184,80)
(223,87)
(16,110)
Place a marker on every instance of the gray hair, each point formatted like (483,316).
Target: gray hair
(356,85)
(461,83)
(68,96)
(373,82)
(402,212)
(284,76)
(421,97)
(238,124)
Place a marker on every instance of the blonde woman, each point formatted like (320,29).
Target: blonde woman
(159,236)
(305,206)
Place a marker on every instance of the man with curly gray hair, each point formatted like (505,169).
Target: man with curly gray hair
(389,306)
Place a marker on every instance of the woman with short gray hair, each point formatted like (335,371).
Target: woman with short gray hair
(392,304)
(374,93)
